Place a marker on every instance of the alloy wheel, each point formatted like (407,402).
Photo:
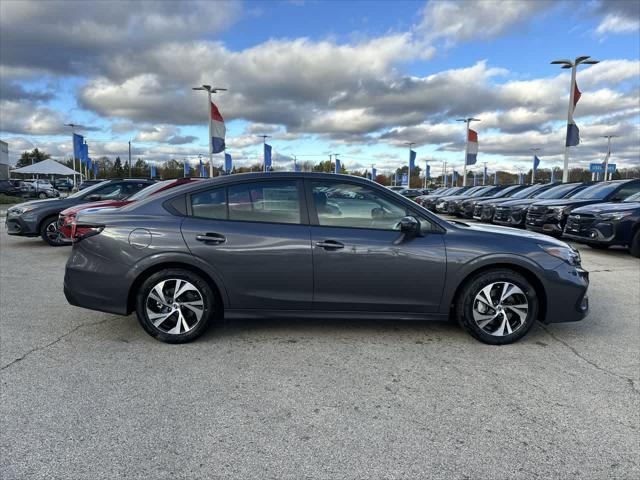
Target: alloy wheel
(53,233)
(174,306)
(500,308)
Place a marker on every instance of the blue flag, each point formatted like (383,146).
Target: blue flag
(89,164)
(338,166)
(553,177)
(536,163)
(95,170)
(267,157)
(395,178)
(428,172)
(573,135)
(153,171)
(454,178)
(296,167)
(203,171)
(78,141)
(374,174)
(187,168)
(84,153)
(412,161)
(228,163)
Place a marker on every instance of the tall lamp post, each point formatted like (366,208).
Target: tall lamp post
(584,60)
(607,158)
(209,89)
(467,121)
(533,169)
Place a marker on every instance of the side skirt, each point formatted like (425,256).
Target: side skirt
(344,315)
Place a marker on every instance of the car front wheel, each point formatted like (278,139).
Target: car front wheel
(634,248)
(175,305)
(497,306)
(50,233)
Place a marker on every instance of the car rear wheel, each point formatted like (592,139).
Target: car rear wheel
(50,233)
(634,248)
(175,305)
(497,306)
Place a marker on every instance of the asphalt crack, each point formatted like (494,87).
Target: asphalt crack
(61,337)
(628,380)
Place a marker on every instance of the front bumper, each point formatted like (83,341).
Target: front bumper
(547,223)
(566,294)
(21,226)
(598,231)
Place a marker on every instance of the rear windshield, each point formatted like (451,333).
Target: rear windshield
(597,192)
(633,198)
(151,189)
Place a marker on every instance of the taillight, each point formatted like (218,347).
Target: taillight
(80,232)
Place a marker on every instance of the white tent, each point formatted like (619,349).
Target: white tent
(46,167)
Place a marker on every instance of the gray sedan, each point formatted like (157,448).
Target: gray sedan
(310,245)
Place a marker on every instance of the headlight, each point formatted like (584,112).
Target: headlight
(614,216)
(566,254)
(17,211)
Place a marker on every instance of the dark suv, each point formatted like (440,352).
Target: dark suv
(550,216)
(605,224)
(40,217)
(313,245)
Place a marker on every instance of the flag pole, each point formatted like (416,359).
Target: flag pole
(466,152)
(410,144)
(533,170)
(565,171)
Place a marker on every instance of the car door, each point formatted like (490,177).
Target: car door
(255,235)
(361,261)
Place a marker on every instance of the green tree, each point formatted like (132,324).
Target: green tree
(34,156)
(117,171)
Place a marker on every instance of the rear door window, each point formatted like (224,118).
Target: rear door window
(274,201)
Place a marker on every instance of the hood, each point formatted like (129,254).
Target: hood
(566,202)
(453,197)
(485,201)
(520,202)
(608,207)
(100,204)
(37,203)
(513,232)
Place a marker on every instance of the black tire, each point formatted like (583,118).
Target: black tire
(465,304)
(212,307)
(598,246)
(634,247)
(50,234)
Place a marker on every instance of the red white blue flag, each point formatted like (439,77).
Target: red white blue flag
(217,130)
(573,133)
(472,147)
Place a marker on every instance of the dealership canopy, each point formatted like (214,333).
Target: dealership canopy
(46,167)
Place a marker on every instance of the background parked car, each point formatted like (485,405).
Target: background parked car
(513,213)
(605,224)
(39,189)
(429,201)
(550,216)
(467,207)
(67,217)
(10,188)
(63,184)
(451,203)
(263,244)
(40,217)
(410,193)
(483,210)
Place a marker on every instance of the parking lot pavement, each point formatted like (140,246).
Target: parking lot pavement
(90,395)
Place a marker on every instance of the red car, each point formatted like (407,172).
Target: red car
(67,217)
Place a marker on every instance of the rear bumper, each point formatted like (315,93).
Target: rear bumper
(96,285)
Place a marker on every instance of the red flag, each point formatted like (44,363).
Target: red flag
(576,94)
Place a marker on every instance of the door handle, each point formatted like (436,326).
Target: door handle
(330,245)
(211,238)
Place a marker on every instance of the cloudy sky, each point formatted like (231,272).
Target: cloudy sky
(358,78)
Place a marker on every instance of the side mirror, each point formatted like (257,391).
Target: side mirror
(94,198)
(409,224)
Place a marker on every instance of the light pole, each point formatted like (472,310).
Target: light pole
(533,169)
(444,173)
(129,158)
(73,127)
(410,145)
(606,159)
(586,60)
(264,151)
(209,89)
(426,169)
(467,121)
(484,174)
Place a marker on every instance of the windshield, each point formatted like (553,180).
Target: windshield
(557,192)
(482,191)
(633,198)
(453,190)
(525,193)
(150,190)
(506,191)
(597,192)
(82,193)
